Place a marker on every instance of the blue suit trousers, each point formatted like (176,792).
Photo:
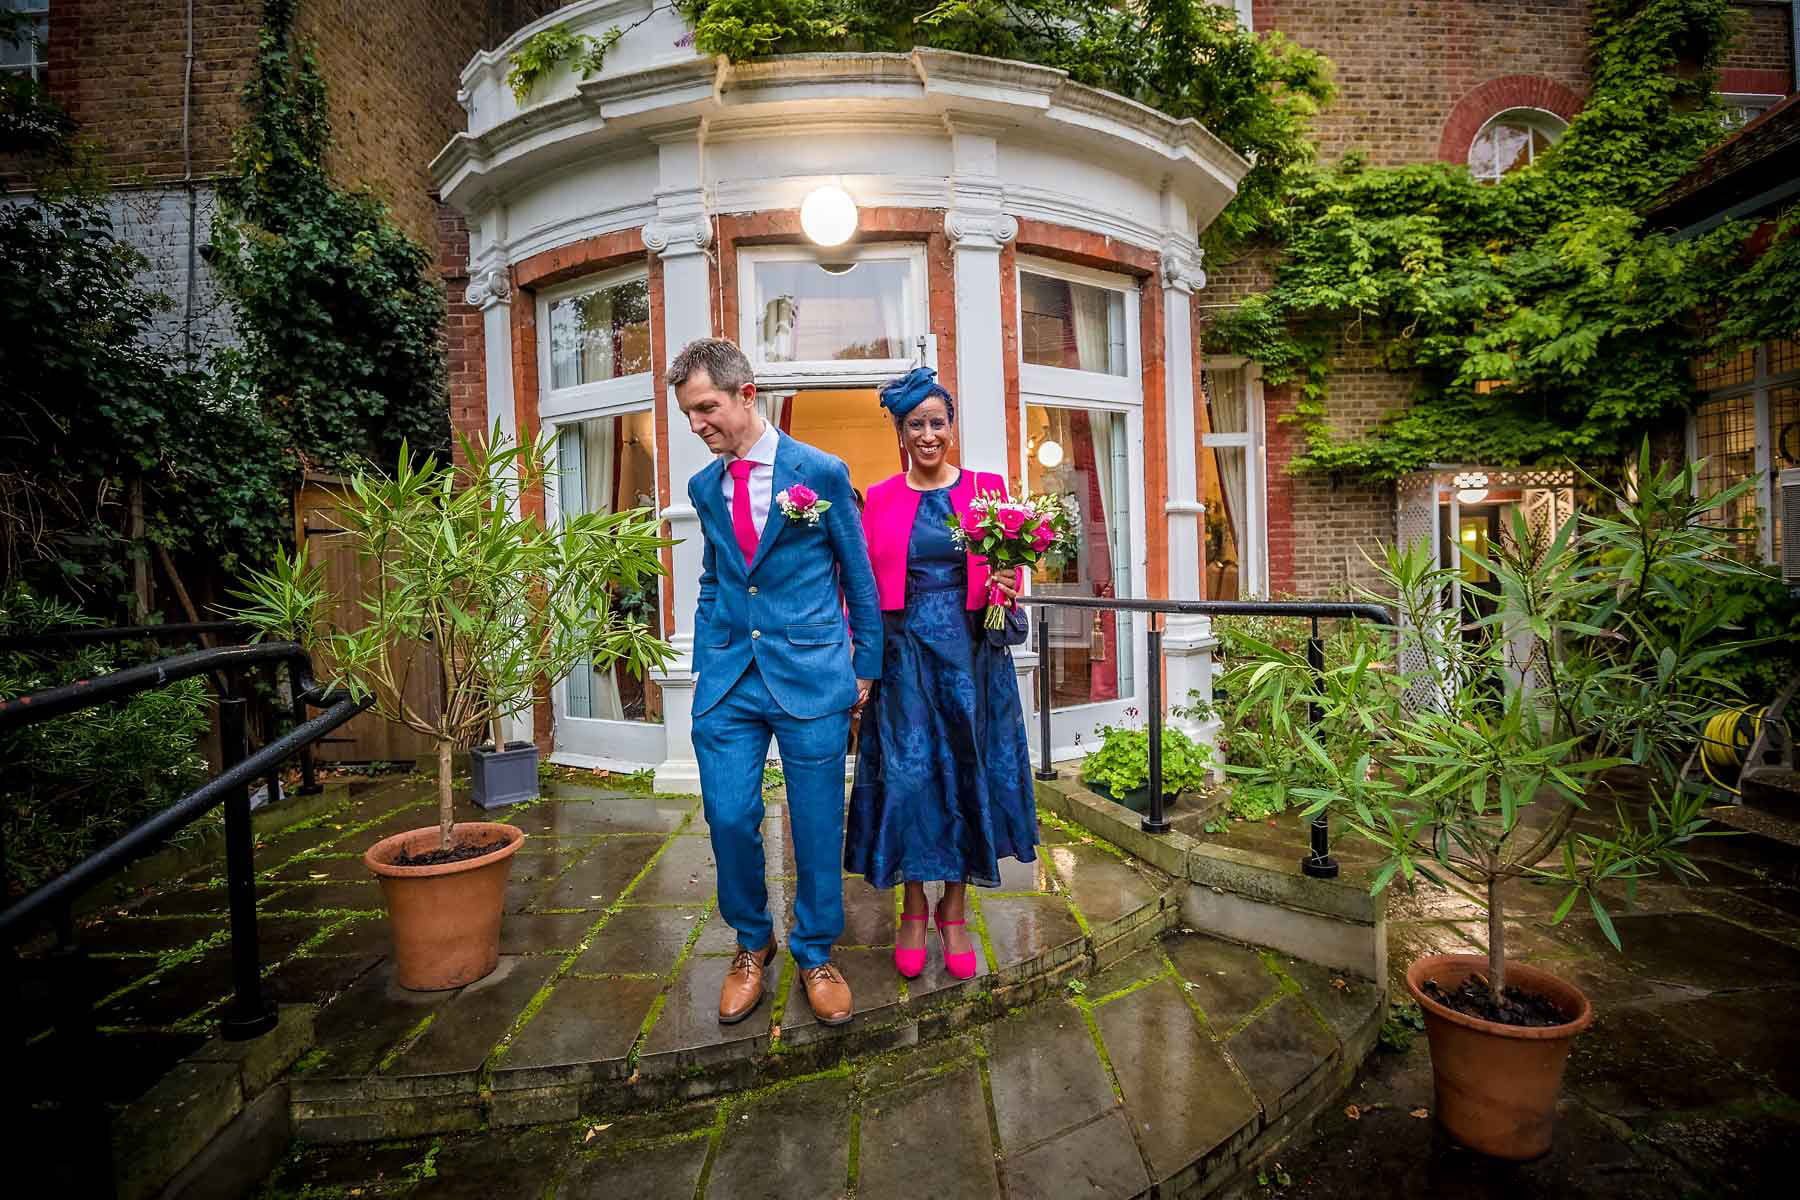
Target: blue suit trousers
(731,742)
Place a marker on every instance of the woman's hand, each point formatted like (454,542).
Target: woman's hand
(1007,584)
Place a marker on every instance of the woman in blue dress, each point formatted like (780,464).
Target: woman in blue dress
(943,778)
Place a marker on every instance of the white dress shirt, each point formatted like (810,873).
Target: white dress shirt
(762,477)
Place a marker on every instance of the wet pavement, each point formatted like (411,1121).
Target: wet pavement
(1687,1085)
(1177,1054)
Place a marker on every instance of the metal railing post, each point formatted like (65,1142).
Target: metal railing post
(72,995)
(1318,863)
(1045,770)
(1158,820)
(249,1015)
(309,773)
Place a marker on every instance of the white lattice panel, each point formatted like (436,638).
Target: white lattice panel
(1415,521)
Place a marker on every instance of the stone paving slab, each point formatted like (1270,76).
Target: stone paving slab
(1074,1095)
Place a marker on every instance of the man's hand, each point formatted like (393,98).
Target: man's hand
(862,694)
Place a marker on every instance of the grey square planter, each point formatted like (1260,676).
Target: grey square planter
(507,777)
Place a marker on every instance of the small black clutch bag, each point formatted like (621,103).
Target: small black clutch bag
(1013,632)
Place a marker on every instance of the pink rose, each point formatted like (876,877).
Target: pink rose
(1042,536)
(802,496)
(971,523)
(1011,521)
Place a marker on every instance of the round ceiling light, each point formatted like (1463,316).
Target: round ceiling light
(1050,454)
(828,215)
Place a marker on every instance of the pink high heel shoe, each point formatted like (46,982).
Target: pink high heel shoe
(960,966)
(910,963)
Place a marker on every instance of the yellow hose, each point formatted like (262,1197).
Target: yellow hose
(1726,740)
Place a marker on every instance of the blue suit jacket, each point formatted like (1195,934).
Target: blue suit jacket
(785,610)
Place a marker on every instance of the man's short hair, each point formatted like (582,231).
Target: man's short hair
(722,361)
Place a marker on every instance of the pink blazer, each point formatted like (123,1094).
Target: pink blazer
(888,515)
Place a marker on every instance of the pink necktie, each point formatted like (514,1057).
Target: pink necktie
(741,523)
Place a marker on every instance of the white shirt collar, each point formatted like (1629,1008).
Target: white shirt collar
(763,452)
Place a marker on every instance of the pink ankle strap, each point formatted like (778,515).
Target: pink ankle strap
(941,923)
(920,917)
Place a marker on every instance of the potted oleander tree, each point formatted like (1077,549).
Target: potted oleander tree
(1543,742)
(503,604)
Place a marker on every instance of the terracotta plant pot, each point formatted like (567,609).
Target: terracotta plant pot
(445,919)
(1497,1084)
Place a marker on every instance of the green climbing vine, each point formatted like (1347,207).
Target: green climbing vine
(547,49)
(340,319)
(1542,315)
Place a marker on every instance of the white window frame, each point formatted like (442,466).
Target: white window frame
(1253,559)
(578,741)
(1760,102)
(1061,387)
(1064,387)
(1761,383)
(34,65)
(603,397)
(1551,125)
(834,373)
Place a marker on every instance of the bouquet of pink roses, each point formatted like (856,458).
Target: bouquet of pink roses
(1013,533)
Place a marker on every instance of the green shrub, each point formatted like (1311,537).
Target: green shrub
(1122,763)
(78,782)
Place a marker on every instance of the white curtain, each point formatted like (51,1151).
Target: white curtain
(775,405)
(602,471)
(1090,306)
(779,317)
(596,311)
(893,314)
(1230,413)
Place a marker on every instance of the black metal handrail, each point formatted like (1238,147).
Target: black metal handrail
(249,1014)
(1318,862)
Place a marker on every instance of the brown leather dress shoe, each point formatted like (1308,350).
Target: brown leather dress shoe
(744,986)
(827,993)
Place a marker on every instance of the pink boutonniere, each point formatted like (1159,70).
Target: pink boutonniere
(800,503)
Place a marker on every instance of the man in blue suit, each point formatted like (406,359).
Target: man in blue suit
(783,559)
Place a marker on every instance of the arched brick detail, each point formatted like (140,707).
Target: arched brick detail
(1495,97)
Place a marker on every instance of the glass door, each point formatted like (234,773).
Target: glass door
(608,717)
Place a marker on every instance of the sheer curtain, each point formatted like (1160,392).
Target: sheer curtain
(602,471)
(597,335)
(779,317)
(1089,307)
(1231,415)
(893,317)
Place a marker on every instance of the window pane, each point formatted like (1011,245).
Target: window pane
(1225,472)
(1723,371)
(840,312)
(605,465)
(847,422)
(1725,437)
(1090,651)
(1784,356)
(1072,325)
(1226,406)
(1512,148)
(1784,446)
(600,335)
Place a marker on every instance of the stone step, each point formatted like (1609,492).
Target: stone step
(1177,1067)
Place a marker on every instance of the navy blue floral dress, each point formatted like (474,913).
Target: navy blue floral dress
(943,772)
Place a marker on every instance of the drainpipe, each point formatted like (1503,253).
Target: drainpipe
(187,182)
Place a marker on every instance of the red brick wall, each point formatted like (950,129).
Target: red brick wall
(1403,65)
(118,67)
(391,70)
(463,339)
(1761,55)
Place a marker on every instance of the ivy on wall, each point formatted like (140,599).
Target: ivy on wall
(340,320)
(1544,318)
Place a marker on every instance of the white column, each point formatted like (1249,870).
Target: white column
(977,228)
(1188,642)
(680,236)
(490,289)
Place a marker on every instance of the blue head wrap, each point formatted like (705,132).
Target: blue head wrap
(900,396)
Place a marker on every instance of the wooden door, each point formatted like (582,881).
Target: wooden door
(367,738)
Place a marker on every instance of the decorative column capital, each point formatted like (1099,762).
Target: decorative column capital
(977,230)
(488,287)
(1181,269)
(672,238)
